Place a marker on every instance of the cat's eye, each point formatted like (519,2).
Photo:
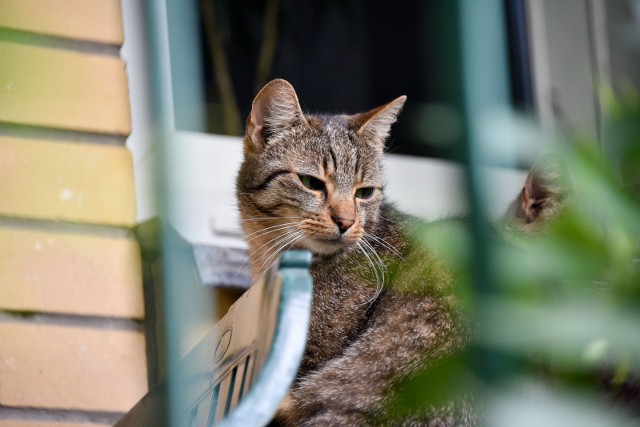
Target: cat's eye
(365,192)
(311,182)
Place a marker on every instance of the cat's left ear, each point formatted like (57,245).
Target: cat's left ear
(275,109)
(546,185)
(374,125)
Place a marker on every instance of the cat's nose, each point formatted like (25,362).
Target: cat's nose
(343,223)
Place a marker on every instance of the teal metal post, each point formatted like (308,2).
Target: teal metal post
(486,90)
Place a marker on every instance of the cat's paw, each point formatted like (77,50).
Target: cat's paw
(331,418)
(286,408)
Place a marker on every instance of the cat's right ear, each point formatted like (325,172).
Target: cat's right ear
(274,109)
(375,125)
(546,185)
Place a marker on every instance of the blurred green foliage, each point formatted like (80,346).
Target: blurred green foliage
(563,318)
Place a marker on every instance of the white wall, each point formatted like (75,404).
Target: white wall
(204,169)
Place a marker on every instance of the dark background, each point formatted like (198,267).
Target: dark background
(348,56)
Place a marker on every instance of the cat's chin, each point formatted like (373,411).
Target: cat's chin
(325,247)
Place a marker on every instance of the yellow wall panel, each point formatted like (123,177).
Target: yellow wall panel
(91,20)
(87,183)
(70,273)
(51,366)
(32,423)
(62,89)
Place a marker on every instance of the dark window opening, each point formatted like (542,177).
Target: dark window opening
(348,56)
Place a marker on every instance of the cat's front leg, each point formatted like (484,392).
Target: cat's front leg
(292,414)
(285,409)
(287,414)
(329,397)
(331,418)
(355,388)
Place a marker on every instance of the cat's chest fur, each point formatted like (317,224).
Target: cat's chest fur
(347,289)
(343,299)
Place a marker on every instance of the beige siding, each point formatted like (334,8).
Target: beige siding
(55,272)
(66,181)
(67,255)
(22,423)
(50,366)
(92,20)
(61,89)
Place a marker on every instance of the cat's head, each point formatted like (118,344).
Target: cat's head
(309,181)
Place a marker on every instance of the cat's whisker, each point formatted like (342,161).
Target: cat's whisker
(377,258)
(364,252)
(288,240)
(256,250)
(384,243)
(382,270)
(261,232)
(276,239)
(268,230)
(267,218)
(285,246)
(379,285)
(370,300)
(266,255)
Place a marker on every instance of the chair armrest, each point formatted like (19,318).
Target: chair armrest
(281,367)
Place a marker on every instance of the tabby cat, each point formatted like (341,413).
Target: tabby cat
(315,182)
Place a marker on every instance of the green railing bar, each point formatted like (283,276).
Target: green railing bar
(485,82)
(163,129)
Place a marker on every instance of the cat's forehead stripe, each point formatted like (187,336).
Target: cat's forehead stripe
(334,158)
(340,154)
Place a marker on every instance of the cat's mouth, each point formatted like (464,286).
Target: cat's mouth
(326,246)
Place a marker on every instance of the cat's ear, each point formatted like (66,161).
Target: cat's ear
(274,109)
(545,187)
(374,125)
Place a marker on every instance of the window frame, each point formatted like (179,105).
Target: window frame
(427,187)
(152,105)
